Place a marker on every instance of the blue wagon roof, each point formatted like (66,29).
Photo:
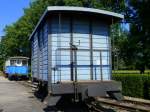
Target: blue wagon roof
(18,57)
(77,9)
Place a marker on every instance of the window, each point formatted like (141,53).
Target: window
(12,62)
(24,62)
(18,62)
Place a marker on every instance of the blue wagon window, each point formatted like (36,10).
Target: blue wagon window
(18,61)
(24,62)
(12,62)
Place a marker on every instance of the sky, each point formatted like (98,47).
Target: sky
(11,11)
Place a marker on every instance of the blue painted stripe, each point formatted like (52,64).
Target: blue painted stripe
(81,66)
(22,70)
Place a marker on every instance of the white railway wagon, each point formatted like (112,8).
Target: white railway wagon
(71,51)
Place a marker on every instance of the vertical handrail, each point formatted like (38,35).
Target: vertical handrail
(91,49)
(95,73)
(101,70)
(59,44)
(75,76)
(75,64)
(71,51)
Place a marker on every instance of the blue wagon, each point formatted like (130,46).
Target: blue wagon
(16,67)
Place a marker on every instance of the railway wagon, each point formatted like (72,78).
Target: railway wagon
(71,52)
(16,67)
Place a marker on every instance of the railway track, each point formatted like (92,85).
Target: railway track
(97,107)
(110,105)
(129,105)
(33,86)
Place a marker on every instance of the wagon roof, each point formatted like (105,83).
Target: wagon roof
(113,15)
(18,57)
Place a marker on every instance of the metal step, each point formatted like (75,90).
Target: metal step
(117,95)
(53,100)
(34,86)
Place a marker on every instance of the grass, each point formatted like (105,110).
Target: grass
(129,72)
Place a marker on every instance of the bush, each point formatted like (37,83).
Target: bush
(30,76)
(135,85)
(146,83)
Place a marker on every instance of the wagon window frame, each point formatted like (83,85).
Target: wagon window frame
(12,62)
(24,64)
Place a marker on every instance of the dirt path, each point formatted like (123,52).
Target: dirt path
(17,98)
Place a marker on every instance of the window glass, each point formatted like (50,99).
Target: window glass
(18,61)
(12,62)
(24,62)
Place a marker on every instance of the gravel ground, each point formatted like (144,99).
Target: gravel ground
(17,98)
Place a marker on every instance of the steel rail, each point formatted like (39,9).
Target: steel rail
(126,104)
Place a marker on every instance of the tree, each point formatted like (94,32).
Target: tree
(119,39)
(138,16)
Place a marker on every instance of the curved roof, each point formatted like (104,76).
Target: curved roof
(77,9)
(83,9)
(18,57)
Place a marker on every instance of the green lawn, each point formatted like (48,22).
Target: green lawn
(129,71)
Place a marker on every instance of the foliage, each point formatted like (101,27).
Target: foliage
(134,49)
(134,85)
(119,39)
(30,76)
(139,39)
